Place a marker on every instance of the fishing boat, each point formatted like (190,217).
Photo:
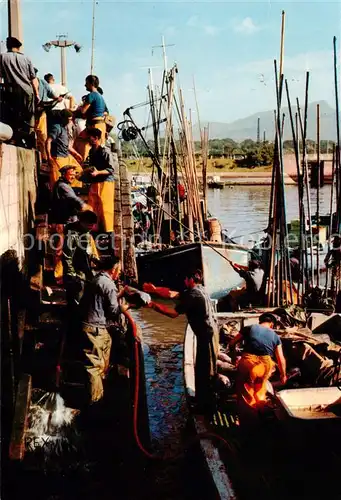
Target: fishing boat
(171,266)
(182,236)
(215,183)
(294,454)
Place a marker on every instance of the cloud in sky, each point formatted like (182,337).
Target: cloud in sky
(193,21)
(208,29)
(211,30)
(246,27)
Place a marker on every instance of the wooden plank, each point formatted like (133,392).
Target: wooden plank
(20,422)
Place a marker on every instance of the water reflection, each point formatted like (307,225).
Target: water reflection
(245,209)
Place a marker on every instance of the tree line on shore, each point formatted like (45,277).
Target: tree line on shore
(247,153)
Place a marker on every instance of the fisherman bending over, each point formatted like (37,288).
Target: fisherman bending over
(79,251)
(196,304)
(65,206)
(99,308)
(256,366)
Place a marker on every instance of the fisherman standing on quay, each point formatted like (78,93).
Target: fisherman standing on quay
(45,94)
(21,89)
(94,110)
(101,175)
(100,309)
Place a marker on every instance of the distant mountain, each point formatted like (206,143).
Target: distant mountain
(246,128)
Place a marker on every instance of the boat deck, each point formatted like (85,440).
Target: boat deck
(279,458)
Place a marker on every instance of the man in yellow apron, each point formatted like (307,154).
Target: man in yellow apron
(256,366)
(101,174)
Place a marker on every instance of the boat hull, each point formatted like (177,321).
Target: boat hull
(170,267)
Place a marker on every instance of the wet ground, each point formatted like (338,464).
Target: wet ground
(166,402)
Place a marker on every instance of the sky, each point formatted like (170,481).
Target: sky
(227,48)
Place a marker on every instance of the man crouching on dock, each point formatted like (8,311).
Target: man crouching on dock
(196,304)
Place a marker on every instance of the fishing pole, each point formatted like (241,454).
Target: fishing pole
(299,183)
(337,110)
(318,193)
(303,219)
(331,216)
(283,217)
(303,126)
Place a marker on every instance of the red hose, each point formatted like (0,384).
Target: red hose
(137,386)
(136,404)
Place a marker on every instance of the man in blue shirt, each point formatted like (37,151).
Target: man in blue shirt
(100,308)
(94,110)
(261,345)
(58,149)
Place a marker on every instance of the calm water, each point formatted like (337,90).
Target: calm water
(242,210)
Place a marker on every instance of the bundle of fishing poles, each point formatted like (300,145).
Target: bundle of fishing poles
(281,291)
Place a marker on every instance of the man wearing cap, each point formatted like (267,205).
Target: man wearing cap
(254,369)
(79,254)
(64,209)
(21,87)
